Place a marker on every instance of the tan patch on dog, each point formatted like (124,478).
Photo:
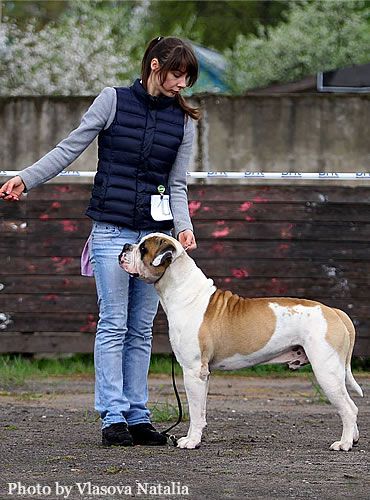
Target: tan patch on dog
(233,324)
(341,332)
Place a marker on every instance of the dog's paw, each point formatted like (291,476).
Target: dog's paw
(341,446)
(188,442)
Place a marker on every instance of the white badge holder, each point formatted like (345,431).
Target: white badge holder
(160,207)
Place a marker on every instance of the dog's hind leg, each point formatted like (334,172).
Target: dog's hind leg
(196,387)
(330,373)
(350,381)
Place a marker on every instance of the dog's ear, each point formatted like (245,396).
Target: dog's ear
(165,255)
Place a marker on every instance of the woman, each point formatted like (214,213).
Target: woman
(145,140)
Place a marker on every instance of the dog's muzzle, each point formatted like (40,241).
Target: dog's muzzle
(122,259)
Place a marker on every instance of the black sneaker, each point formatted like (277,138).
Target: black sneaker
(146,434)
(117,435)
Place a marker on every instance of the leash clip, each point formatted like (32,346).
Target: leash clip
(173,439)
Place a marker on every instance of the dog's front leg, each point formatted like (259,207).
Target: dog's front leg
(196,387)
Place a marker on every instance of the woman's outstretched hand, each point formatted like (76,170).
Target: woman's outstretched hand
(12,189)
(187,240)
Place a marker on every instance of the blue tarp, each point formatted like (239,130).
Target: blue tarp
(212,68)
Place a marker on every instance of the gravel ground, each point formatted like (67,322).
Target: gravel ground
(266,438)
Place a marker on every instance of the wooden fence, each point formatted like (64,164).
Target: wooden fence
(302,241)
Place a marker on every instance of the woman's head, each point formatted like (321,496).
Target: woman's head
(168,66)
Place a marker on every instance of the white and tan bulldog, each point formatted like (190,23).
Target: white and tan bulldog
(210,328)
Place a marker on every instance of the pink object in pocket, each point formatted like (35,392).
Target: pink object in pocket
(86,268)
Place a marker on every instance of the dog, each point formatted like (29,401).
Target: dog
(214,329)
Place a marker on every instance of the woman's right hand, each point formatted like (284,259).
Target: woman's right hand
(12,189)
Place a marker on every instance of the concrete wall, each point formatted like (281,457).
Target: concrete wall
(291,132)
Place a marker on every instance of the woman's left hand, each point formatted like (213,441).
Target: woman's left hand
(187,239)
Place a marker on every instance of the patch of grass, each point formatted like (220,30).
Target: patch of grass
(29,396)
(319,394)
(11,428)
(361,364)
(15,369)
(265,371)
(113,469)
(90,417)
(164,412)
(161,363)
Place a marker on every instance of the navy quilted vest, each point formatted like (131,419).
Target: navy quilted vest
(136,154)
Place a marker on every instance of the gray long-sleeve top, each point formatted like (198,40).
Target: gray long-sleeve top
(99,116)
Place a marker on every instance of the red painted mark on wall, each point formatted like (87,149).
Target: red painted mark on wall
(90,324)
(54,206)
(286,231)
(221,233)
(248,218)
(218,248)
(63,189)
(244,207)
(194,206)
(69,226)
(227,280)
(283,247)
(240,273)
(220,222)
(51,297)
(277,288)
(259,199)
(61,262)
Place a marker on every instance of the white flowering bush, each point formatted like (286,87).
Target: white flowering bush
(79,55)
(316,36)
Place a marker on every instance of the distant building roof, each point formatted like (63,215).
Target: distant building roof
(350,79)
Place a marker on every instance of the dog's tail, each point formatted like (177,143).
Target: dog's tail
(350,380)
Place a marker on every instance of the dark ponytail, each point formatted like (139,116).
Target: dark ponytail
(173,54)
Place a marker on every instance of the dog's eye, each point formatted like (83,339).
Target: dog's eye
(143,250)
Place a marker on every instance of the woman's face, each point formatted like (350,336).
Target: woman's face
(174,83)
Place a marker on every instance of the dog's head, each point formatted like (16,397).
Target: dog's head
(149,259)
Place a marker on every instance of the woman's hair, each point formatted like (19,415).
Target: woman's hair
(173,54)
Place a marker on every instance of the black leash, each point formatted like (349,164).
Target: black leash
(172,437)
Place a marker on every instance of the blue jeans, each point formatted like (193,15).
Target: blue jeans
(127,307)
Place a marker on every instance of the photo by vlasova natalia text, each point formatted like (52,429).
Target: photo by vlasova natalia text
(88,488)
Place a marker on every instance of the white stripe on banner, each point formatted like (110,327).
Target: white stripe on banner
(319,176)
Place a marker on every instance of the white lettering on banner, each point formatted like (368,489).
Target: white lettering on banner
(254,174)
(322,176)
(218,174)
(70,172)
(328,174)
